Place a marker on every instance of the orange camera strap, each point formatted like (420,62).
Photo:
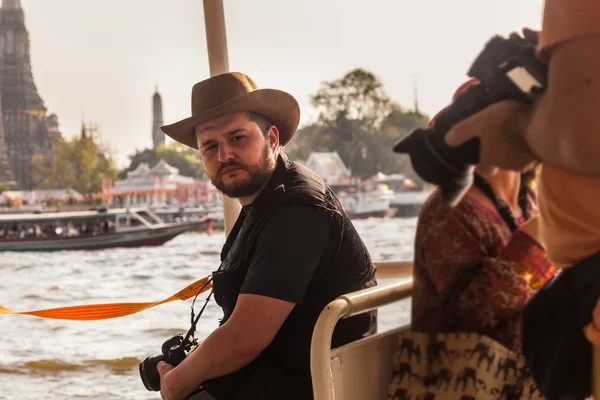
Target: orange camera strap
(92,312)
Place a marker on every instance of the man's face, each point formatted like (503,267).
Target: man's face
(237,156)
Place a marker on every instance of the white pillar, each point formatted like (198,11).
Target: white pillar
(218,60)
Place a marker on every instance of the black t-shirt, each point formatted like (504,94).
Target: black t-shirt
(284,266)
(287,253)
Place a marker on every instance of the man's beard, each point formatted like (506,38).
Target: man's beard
(258,176)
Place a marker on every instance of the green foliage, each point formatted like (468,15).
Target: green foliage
(184,158)
(147,156)
(398,125)
(177,155)
(403,122)
(359,121)
(78,164)
(358,96)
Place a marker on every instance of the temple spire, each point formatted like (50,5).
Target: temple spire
(158,137)
(11,4)
(416,94)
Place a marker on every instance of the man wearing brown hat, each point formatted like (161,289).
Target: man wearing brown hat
(291,251)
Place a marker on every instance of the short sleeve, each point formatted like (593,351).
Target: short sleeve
(288,252)
(567,19)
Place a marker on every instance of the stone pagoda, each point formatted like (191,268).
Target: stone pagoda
(28,129)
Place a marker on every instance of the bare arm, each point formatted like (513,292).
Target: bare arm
(564,129)
(250,329)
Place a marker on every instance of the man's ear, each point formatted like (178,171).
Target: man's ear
(273,137)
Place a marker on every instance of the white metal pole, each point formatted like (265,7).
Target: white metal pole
(218,60)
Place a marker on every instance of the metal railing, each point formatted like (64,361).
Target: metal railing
(346,306)
(394,269)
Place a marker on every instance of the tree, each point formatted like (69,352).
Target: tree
(184,158)
(78,164)
(313,137)
(177,155)
(404,122)
(398,125)
(356,145)
(358,120)
(147,156)
(358,96)
(351,110)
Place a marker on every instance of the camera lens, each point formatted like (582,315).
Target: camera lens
(172,353)
(149,373)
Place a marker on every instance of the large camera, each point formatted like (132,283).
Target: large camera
(506,69)
(174,351)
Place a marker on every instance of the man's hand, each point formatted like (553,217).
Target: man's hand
(501,129)
(168,388)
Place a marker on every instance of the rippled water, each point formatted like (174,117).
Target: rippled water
(52,359)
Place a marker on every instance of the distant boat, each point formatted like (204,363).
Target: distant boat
(408,198)
(359,203)
(88,230)
(192,213)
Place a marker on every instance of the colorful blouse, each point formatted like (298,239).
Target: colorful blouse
(510,267)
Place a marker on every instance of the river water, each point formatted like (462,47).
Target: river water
(53,359)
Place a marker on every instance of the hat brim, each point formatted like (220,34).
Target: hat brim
(280,107)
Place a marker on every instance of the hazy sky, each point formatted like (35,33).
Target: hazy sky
(102,58)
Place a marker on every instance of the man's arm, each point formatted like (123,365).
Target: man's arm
(289,250)
(564,129)
(250,329)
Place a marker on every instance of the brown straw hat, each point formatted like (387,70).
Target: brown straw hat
(234,92)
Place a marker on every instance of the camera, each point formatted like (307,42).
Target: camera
(507,69)
(174,351)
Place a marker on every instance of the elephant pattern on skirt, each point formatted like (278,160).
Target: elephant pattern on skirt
(459,366)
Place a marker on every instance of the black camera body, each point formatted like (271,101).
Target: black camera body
(507,69)
(174,351)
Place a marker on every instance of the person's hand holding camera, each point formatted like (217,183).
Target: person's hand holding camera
(500,128)
(167,385)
